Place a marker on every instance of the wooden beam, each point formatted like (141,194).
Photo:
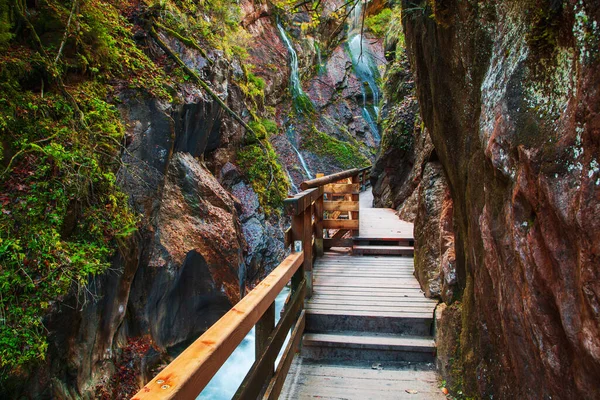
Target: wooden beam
(307,248)
(339,234)
(319,210)
(262,370)
(274,389)
(340,224)
(328,179)
(356,198)
(190,372)
(287,237)
(300,202)
(343,188)
(329,243)
(341,205)
(263,329)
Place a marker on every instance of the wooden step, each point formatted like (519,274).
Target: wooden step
(408,241)
(368,347)
(401,322)
(383,250)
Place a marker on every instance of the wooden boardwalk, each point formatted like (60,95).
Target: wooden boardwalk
(368,324)
(355,313)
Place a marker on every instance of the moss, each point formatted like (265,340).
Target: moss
(346,155)
(268,179)
(378,24)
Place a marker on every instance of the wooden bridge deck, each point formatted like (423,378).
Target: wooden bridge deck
(368,325)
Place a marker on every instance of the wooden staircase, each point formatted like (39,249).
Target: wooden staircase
(366,313)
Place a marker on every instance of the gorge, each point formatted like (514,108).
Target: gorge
(146,148)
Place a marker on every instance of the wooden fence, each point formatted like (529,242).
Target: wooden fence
(327,204)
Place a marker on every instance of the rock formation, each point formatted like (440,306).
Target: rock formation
(508,92)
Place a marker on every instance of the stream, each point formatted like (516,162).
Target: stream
(227,380)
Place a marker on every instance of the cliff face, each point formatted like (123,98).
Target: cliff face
(200,193)
(509,94)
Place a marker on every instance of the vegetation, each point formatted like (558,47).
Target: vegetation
(260,164)
(378,24)
(344,154)
(62,214)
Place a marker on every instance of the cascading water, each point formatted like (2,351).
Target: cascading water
(294,187)
(298,94)
(364,67)
(291,135)
(225,382)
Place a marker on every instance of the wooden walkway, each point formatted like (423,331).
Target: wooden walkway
(356,314)
(368,324)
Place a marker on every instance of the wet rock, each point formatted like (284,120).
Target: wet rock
(514,119)
(435,265)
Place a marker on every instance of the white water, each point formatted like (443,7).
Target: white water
(294,187)
(303,163)
(291,136)
(364,67)
(226,382)
(294,76)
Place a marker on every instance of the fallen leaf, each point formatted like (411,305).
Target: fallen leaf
(411,391)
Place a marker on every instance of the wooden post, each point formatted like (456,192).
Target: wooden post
(307,248)
(319,209)
(264,328)
(297,235)
(355,197)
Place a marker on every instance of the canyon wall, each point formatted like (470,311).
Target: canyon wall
(508,93)
(209,223)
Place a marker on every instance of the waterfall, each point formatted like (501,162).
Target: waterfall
(294,187)
(302,102)
(291,136)
(364,67)
(308,174)
(294,76)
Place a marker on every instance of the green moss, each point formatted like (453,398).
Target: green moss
(378,24)
(62,212)
(265,174)
(346,155)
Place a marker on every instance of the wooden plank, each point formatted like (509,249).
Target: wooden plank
(300,202)
(342,188)
(356,198)
(262,370)
(307,247)
(369,307)
(190,372)
(276,384)
(341,205)
(324,180)
(384,314)
(287,237)
(328,243)
(340,224)
(319,210)
(263,329)
(339,234)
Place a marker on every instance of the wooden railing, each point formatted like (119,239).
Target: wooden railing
(334,197)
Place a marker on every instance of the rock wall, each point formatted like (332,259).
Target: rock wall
(509,94)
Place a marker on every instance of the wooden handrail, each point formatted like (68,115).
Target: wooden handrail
(188,374)
(313,183)
(192,370)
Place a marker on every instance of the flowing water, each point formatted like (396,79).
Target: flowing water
(291,135)
(365,68)
(295,188)
(295,83)
(225,382)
